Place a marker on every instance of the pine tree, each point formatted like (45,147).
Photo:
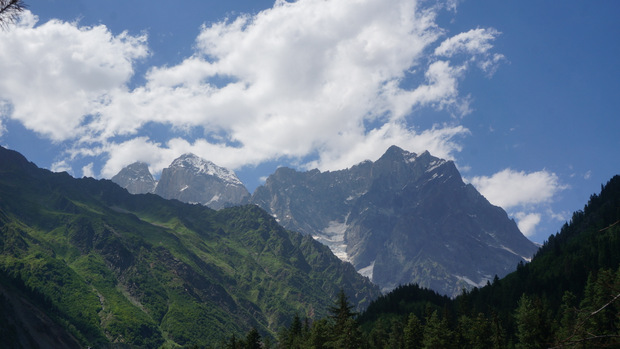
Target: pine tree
(530,324)
(252,340)
(498,334)
(233,343)
(319,334)
(437,334)
(413,333)
(292,337)
(295,329)
(396,339)
(350,336)
(475,332)
(567,330)
(598,317)
(378,336)
(345,330)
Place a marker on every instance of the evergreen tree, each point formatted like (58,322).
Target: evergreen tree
(252,340)
(350,336)
(475,333)
(413,333)
(319,334)
(567,329)
(598,318)
(233,343)
(437,334)
(498,335)
(378,336)
(295,329)
(341,311)
(396,339)
(530,324)
(345,330)
(293,337)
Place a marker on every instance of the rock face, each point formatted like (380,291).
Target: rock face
(192,179)
(136,178)
(189,179)
(406,218)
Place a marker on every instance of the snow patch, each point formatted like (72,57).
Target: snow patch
(333,237)
(215,198)
(203,166)
(368,271)
(412,158)
(527,259)
(434,164)
(482,283)
(357,195)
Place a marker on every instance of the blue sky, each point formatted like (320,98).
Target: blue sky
(523,96)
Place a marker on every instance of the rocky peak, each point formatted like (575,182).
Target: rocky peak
(136,178)
(192,179)
(404,218)
(205,167)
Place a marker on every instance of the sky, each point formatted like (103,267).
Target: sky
(522,96)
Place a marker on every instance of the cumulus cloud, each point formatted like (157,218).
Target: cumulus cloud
(61,166)
(87,171)
(527,222)
(476,44)
(520,191)
(310,77)
(57,73)
(509,188)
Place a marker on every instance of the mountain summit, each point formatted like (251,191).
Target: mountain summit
(195,180)
(405,218)
(190,179)
(136,178)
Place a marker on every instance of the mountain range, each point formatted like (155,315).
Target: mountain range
(404,218)
(85,263)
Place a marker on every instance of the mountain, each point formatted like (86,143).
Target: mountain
(568,296)
(192,179)
(189,179)
(405,218)
(85,263)
(136,178)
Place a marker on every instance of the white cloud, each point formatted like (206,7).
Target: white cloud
(87,171)
(476,44)
(301,78)
(61,166)
(560,217)
(523,195)
(57,73)
(509,188)
(527,222)
(475,41)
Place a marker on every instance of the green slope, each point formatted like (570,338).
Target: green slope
(117,268)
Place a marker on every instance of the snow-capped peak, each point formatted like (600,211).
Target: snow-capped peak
(202,166)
